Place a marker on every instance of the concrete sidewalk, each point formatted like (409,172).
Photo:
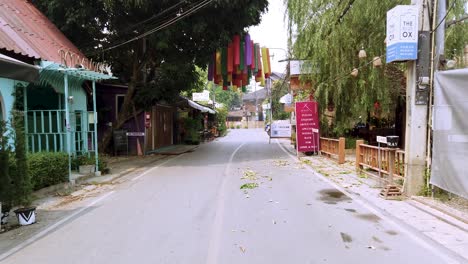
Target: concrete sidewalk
(432,224)
(60,201)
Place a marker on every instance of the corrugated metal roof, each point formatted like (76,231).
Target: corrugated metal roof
(25,30)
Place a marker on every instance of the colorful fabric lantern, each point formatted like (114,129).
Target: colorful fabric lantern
(211,69)
(218,62)
(242,56)
(236,44)
(265,62)
(230,58)
(248,50)
(224,61)
(252,54)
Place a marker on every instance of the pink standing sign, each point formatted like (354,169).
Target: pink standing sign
(307,127)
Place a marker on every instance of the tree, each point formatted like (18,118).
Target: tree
(330,35)
(5,180)
(169,57)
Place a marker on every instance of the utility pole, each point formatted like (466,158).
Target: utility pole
(417,107)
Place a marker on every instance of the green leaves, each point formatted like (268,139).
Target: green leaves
(331,33)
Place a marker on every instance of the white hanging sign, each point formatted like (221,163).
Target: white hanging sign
(402,33)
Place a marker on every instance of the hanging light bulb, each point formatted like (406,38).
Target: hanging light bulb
(377,62)
(355,72)
(362,53)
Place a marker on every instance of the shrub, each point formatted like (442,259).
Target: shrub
(238,126)
(47,168)
(86,159)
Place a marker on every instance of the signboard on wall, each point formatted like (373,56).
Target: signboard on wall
(402,33)
(307,126)
(201,97)
(281,129)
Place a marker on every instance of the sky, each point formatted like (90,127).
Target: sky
(272,32)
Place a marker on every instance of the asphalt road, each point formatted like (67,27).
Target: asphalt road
(191,210)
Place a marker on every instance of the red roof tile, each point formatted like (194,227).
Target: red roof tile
(25,30)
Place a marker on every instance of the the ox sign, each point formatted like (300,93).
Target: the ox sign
(402,33)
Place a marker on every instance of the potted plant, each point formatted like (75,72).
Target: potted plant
(86,164)
(22,187)
(5,180)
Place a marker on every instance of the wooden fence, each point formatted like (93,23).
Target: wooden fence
(392,160)
(334,148)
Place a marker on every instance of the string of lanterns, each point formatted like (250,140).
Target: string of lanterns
(234,65)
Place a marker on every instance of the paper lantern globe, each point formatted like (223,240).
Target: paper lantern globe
(362,54)
(377,62)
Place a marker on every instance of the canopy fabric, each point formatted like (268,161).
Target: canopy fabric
(202,108)
(18,70)
(54,74)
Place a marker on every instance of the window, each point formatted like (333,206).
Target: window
(119,100)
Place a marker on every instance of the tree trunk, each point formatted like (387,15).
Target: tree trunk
(127,111)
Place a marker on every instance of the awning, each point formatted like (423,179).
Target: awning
(53,74)
(18,70)
(202,108)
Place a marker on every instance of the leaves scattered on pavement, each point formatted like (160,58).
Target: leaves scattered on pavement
(250,185)
(249,175)
(281,163)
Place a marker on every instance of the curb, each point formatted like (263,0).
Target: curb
(121,174)
(417,200)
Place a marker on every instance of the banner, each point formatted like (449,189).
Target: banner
(307,127)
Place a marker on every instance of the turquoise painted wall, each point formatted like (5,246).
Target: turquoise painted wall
(6,96)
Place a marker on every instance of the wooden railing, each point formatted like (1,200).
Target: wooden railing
(392,160)
(334,148)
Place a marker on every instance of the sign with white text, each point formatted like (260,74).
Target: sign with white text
(307,127)
(402,33)
(281,129)
(201,97)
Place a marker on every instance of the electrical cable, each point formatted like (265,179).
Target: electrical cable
(164,25)
(446,14)
(88,45)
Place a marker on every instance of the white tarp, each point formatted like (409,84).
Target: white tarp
(202,108)
(450,123)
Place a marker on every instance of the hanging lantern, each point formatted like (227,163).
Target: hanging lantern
(355,72)
(362,53)
(377,62)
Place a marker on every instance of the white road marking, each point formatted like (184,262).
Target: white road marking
(418,240)
(213,248)
(52,227)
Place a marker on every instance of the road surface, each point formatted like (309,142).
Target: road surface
(191,210)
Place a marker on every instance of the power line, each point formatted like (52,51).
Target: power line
(87,45)
(164,25)
(443,19)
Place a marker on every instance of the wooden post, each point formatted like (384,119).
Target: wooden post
(358,153)
(341,150)
(391,165)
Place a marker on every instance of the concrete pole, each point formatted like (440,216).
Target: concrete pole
(96,152)
(416,118)
(67,126)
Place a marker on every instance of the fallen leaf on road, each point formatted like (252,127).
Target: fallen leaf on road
(249,175)
(281,163)
(251,185)
(242,249)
